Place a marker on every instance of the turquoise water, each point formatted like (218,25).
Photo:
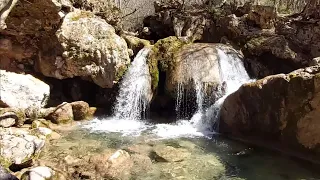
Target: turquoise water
(202,157)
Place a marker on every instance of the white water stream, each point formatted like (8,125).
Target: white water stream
(132,101)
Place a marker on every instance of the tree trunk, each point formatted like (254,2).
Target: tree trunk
(312,9)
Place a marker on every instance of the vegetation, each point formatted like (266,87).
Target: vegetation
(162,57)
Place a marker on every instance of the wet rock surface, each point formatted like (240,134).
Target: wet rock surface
(282,108)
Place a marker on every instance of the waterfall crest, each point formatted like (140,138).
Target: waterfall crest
(135,89)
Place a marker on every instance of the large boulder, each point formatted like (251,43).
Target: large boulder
(18,149)
(282,109)
(91,49)
(188,65)
(23,91)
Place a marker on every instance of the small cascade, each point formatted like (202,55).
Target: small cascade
(135,89)
(232,75)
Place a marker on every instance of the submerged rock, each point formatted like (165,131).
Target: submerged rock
(22,91)
(281,108)
(171,154)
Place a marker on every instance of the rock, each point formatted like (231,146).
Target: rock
(283,109)
(315,61)
(18,149)
(135,43)
(105,9)
(22,91)
(188,64)
(5,8)
(40,123)
(39,173)
(62,114)
(5,175)
(118,157)
(43,131)
(121,165)
(17,114)
(8,119)
(91,49)
(80,110)
(263,16)
(171,154)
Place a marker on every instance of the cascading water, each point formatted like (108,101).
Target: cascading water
(134,97)
(232,76)
(135,90)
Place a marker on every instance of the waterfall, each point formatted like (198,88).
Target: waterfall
(135,89)
(232,76)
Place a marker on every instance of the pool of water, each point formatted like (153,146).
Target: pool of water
(176,155)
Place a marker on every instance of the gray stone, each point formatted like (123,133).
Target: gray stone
(22,91)
(18,149)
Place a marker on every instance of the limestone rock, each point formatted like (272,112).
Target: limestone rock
(282,108)
(18,149)
(39,173)
(91,49)
(22,91)
(62,114)
(5,8)
(8,119)
(80,110)
(43,131)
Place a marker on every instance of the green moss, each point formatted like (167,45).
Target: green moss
(256,42)
(82,14)
(162,57)
(4,162)
(21,116)
(121,72)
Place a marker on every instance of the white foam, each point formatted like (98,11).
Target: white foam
(127,127)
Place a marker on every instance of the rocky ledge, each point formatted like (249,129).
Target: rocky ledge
(283,109)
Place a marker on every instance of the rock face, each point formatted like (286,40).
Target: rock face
(282,108)
(18,90)
(91,49)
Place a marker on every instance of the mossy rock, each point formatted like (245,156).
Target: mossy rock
(162,57)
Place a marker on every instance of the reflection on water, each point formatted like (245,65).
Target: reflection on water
(183,157)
